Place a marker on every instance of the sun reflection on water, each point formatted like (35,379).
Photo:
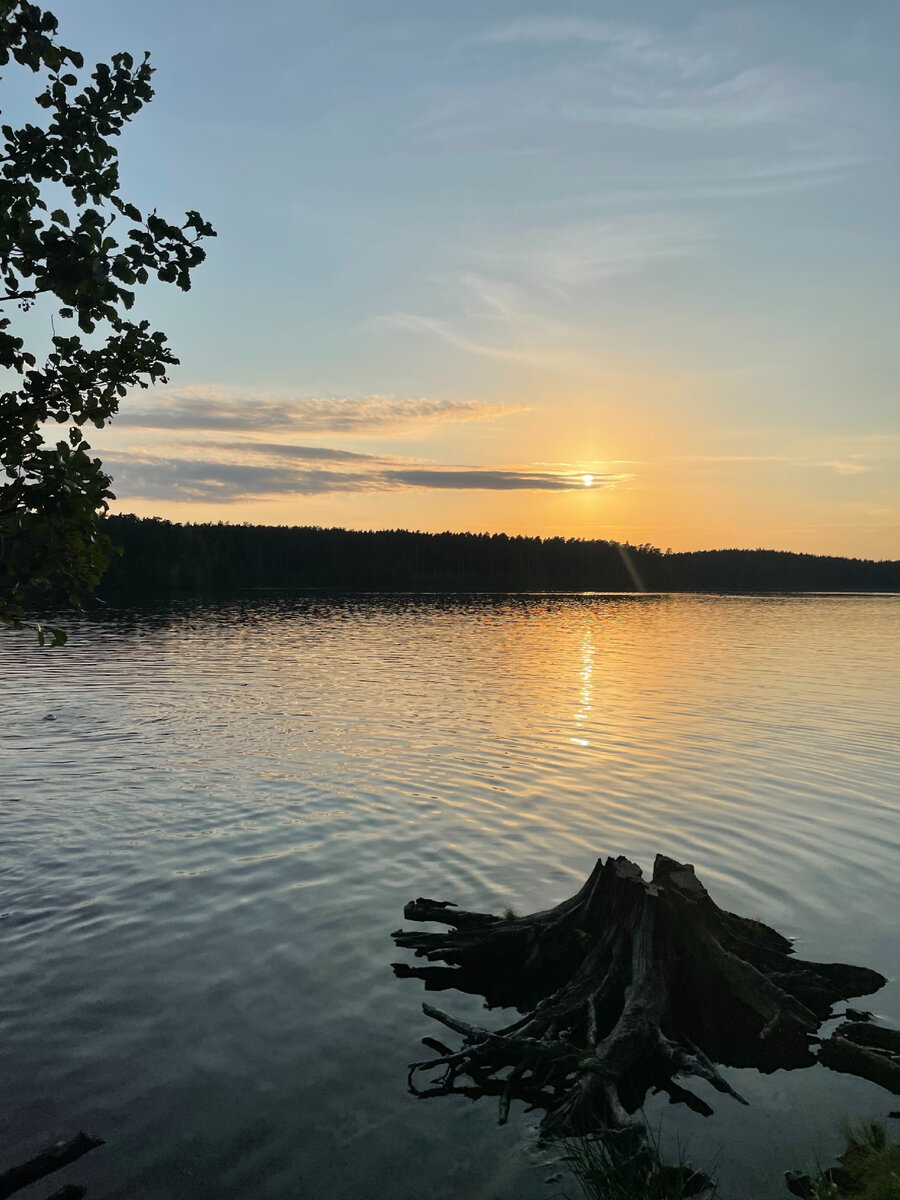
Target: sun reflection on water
(586,692)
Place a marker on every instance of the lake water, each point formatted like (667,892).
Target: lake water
(205,850)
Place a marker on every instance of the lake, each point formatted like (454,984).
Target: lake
(212,816)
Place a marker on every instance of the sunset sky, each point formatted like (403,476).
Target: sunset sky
(470,253)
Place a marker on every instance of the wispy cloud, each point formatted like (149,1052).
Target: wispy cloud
(704,181)
(512,345)
(449,331)
(157,478)
(628,138)
(713,114)
(214,408)
(848,466)
(185,461)
(491,479)
(296,453)
(634,42)
(701,77)
(506,302)
(577,254)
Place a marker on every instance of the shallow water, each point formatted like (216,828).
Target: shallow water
(206,847)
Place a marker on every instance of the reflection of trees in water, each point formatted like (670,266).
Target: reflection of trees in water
(632,986)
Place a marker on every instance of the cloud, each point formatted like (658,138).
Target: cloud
(520,349)
(214,408)
(509,313)
(847,467)
(706,180)
(840,466)
(703,112)
(489,479)
(303,453)
(156,478)
(152,478)
(703,77)
(578,254)
(630,138)
(636,42)
(512,318)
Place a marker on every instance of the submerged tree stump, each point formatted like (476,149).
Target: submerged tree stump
(625,986)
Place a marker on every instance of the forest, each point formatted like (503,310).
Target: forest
(160,558)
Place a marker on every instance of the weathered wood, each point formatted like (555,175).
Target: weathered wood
(46,1163)
(623,987)
(876,1037)
(840,1053)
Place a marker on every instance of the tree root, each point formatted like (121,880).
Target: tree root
(869,1051)
(623,987)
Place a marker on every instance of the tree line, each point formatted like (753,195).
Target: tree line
(160,558)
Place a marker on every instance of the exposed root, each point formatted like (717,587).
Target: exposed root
(625,986)
(869,1051)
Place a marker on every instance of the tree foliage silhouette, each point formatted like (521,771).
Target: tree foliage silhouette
(160,559)
(70,240)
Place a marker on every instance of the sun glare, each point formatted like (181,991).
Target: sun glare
(587,480)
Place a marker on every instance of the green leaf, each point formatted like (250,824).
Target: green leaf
(52,546)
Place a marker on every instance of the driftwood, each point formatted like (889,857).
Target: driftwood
(869,1051)
(628,986)
(46,1163)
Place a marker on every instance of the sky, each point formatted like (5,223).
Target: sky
(613,270)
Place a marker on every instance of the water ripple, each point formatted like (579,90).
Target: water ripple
(208,843)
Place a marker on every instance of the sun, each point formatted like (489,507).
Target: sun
(587,480)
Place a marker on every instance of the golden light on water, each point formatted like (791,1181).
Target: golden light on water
(587,480)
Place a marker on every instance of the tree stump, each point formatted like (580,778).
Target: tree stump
(626,987)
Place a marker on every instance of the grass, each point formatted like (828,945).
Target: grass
(868,1169)
(625,1165)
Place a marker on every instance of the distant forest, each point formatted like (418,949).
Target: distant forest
(160,559)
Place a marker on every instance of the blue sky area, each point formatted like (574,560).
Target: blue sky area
(471,254)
